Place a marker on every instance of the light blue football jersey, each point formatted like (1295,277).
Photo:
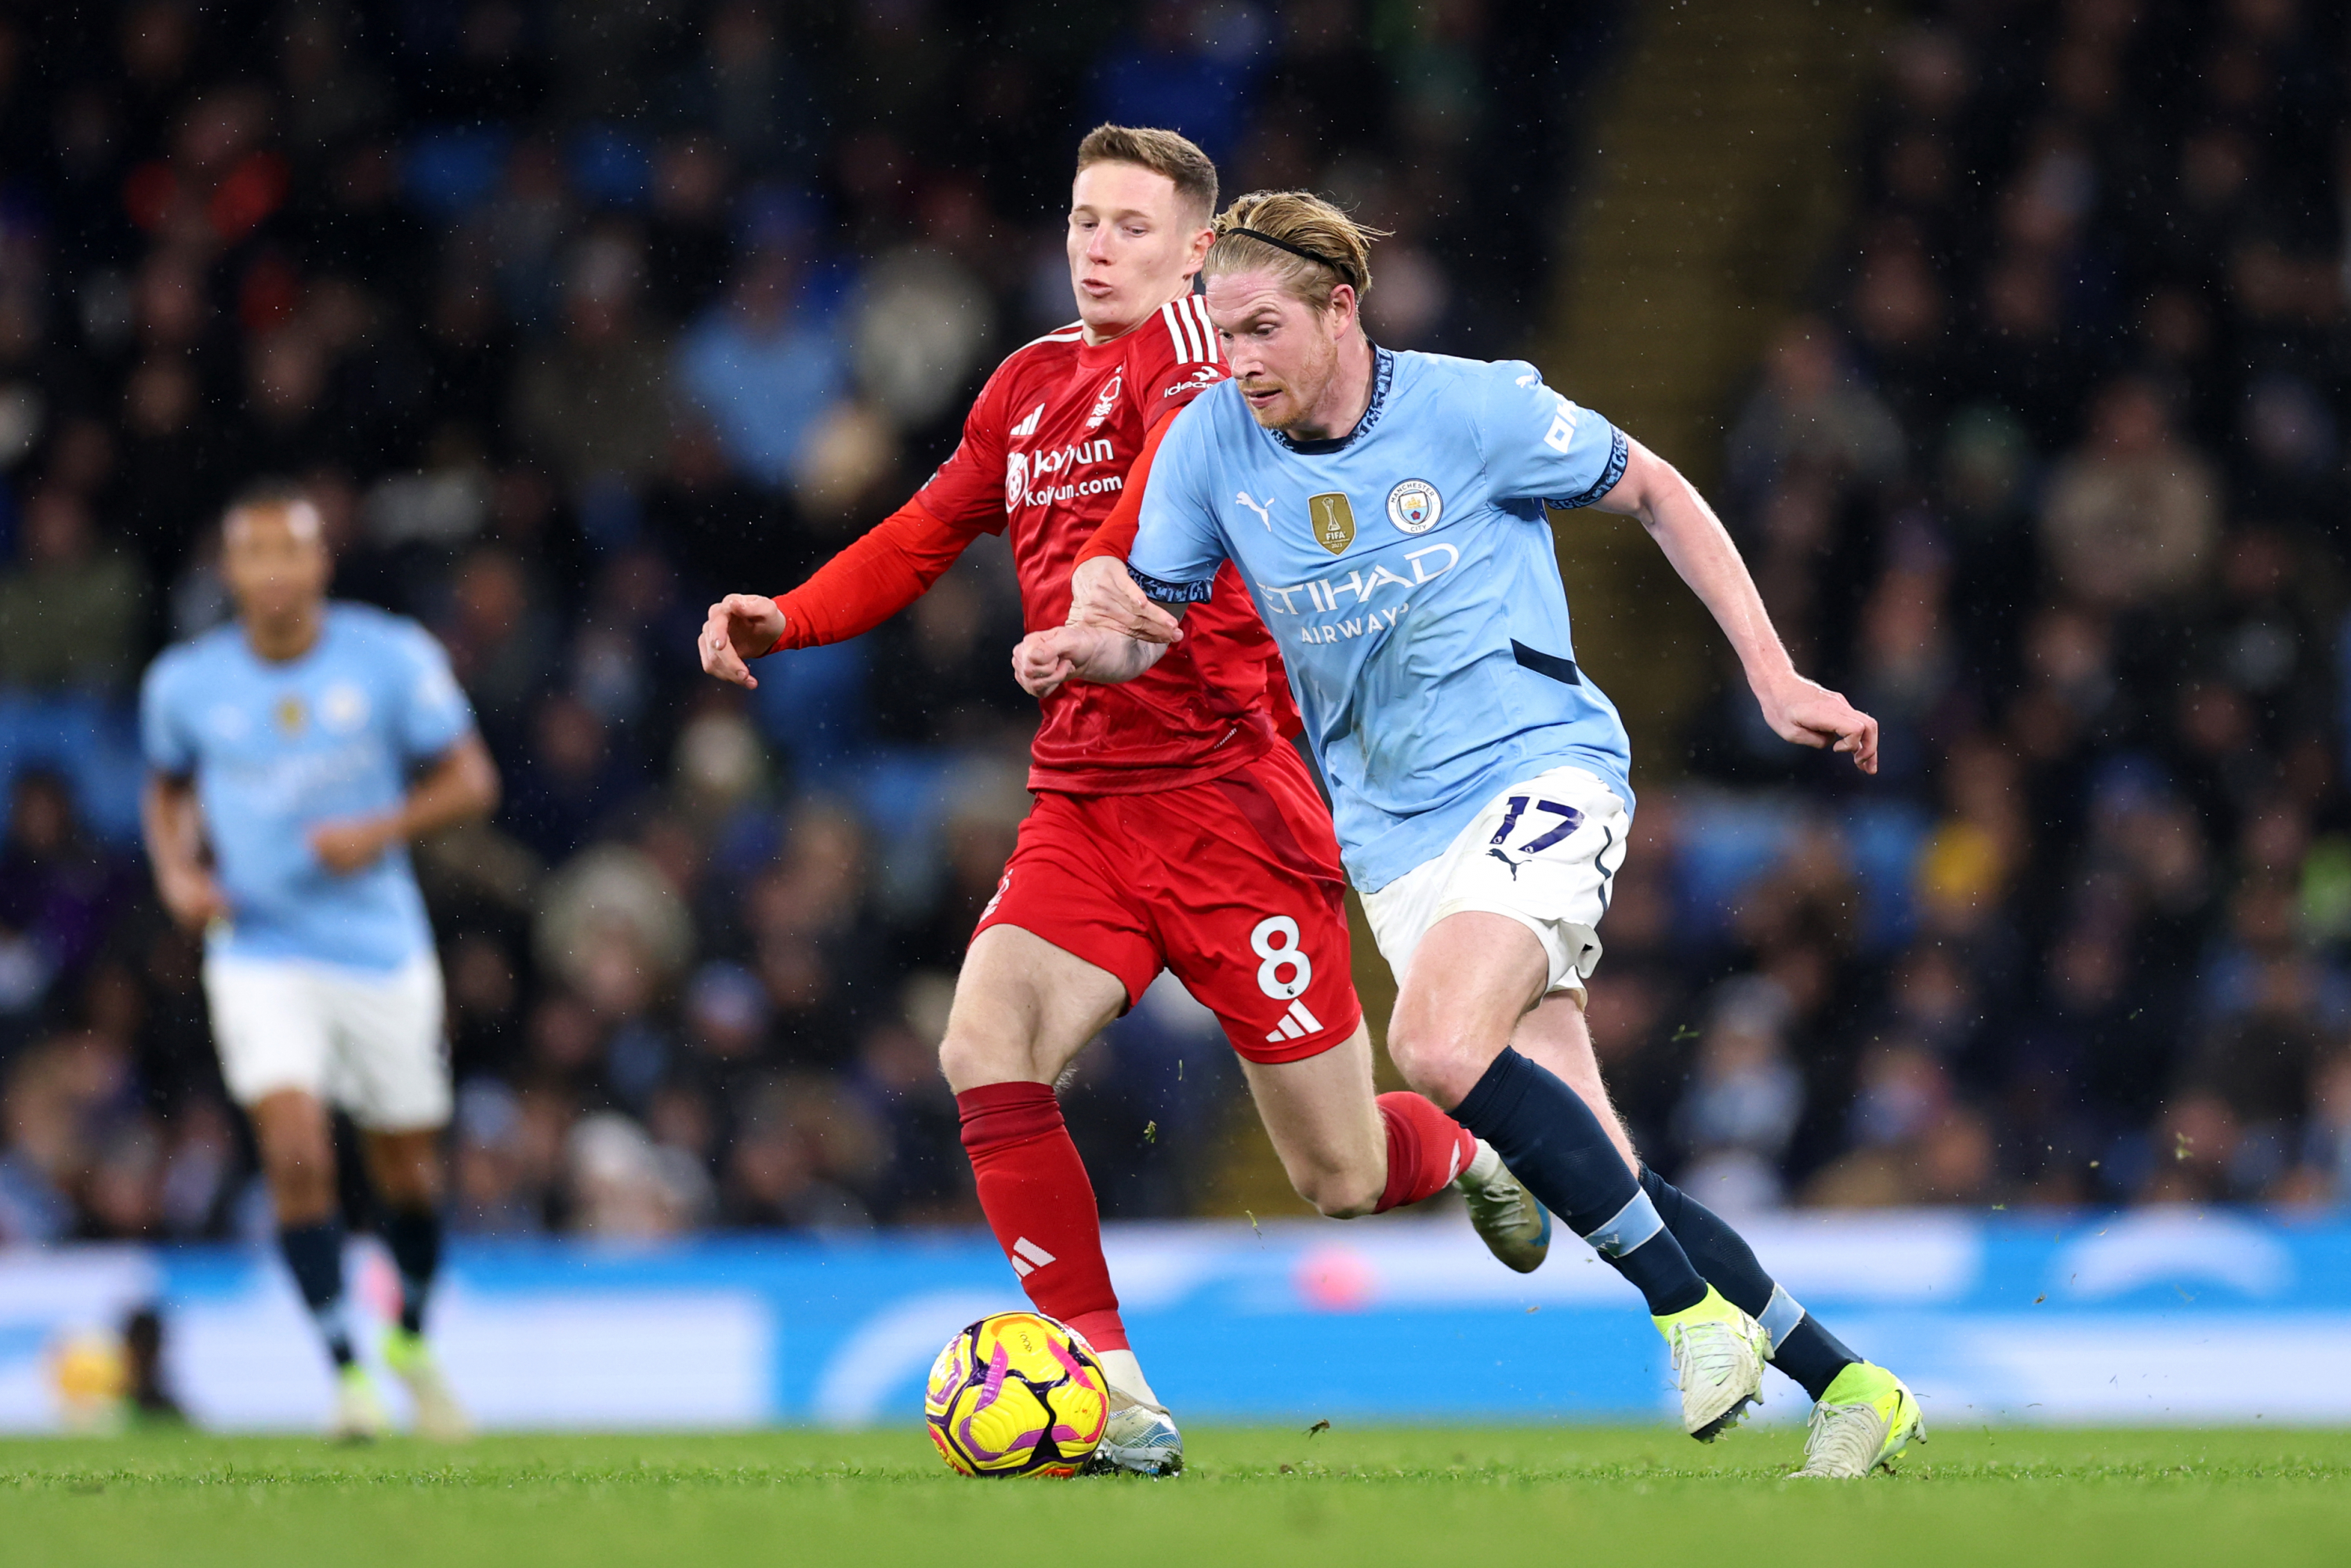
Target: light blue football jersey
(1407,572)
(276,750)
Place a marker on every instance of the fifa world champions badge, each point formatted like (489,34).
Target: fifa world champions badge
(1334,519)
(1414,506)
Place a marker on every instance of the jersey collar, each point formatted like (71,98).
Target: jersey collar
(1382,373)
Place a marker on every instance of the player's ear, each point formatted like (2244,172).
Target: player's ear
(1342,309)
(1202,239)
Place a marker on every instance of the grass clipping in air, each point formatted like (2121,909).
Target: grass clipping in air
(1451,1495)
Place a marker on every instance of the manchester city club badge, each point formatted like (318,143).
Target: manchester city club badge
(1414,506)
(1334,519)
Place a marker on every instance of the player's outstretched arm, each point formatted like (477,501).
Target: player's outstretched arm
(172,825)
(740,628)
(873,578)
(1653,491)
(1047,661)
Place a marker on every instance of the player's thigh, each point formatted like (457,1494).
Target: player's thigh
(1059,951)
(1249,904)
(1322,1115)
(1023,1009)
(1473,977)
(1554,1036)
(270,1028)
(391,1068)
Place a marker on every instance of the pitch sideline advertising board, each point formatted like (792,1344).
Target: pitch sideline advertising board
(2181,1317)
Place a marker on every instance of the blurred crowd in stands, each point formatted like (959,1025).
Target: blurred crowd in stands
(573,316)
(2053,483)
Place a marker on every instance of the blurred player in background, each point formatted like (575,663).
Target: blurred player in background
(279,807)
(1174,826)
(1388,511)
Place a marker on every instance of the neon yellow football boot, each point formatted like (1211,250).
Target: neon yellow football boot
(358,1414)
(1864,1418)
(1718,1355)
(438,1414)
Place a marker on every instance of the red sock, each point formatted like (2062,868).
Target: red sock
(1034,1191)
(1427,1149)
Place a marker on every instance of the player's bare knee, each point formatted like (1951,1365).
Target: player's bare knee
(1339,1195)
(971,1059)
(1435,1062)
(301,1180)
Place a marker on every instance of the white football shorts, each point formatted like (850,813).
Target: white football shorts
(1542,852)
(368,1041)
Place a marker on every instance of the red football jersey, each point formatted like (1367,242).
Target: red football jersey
(1045,451)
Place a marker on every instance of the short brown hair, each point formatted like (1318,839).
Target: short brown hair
(1340,247)
(1162,152)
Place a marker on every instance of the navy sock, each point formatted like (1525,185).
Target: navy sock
(414,1237)
(1551,1141)
(1800,1346)
(315,1254)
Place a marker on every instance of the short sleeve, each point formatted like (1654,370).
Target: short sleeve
(163,737)
(1174,360)
(967,491)
(1179,546)
(431,713)
(1539,447)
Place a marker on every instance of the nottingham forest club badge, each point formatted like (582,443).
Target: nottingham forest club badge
(1414,506)
(1334,520)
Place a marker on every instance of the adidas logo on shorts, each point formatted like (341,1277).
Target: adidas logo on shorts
(1296,1022)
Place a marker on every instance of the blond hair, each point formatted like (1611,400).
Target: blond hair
(1187,168)
(1337,249)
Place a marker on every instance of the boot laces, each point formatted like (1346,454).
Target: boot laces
(1707,1353)
(1842,1440)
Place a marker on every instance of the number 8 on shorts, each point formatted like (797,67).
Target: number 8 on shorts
(1275,941)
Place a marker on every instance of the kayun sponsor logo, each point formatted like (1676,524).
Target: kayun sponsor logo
(1029,478)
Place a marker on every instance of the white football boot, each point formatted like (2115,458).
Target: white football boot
(1718,1355)
(1141,1438)
(359,1413)
(1864,1419)
(438,1414)
(1514,1226)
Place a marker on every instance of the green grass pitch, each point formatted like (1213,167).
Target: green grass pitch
(1464,1497)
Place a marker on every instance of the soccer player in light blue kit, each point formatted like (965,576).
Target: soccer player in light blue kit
(1387,511)
(293,757)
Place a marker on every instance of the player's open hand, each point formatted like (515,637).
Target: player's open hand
(1809,713)
(192,896)
(354,845)
(740,628)
(1103,595)
(1044,662)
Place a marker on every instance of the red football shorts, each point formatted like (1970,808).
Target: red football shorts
(1233,884)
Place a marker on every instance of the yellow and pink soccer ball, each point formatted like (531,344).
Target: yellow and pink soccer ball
(1017,1393)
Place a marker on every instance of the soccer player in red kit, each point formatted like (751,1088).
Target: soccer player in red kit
(1175,827)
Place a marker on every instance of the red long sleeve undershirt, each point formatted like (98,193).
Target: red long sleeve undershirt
(895,562)
(875,576)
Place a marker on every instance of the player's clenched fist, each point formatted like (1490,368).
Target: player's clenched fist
(1041,662)
(1102,594)
(740,628)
